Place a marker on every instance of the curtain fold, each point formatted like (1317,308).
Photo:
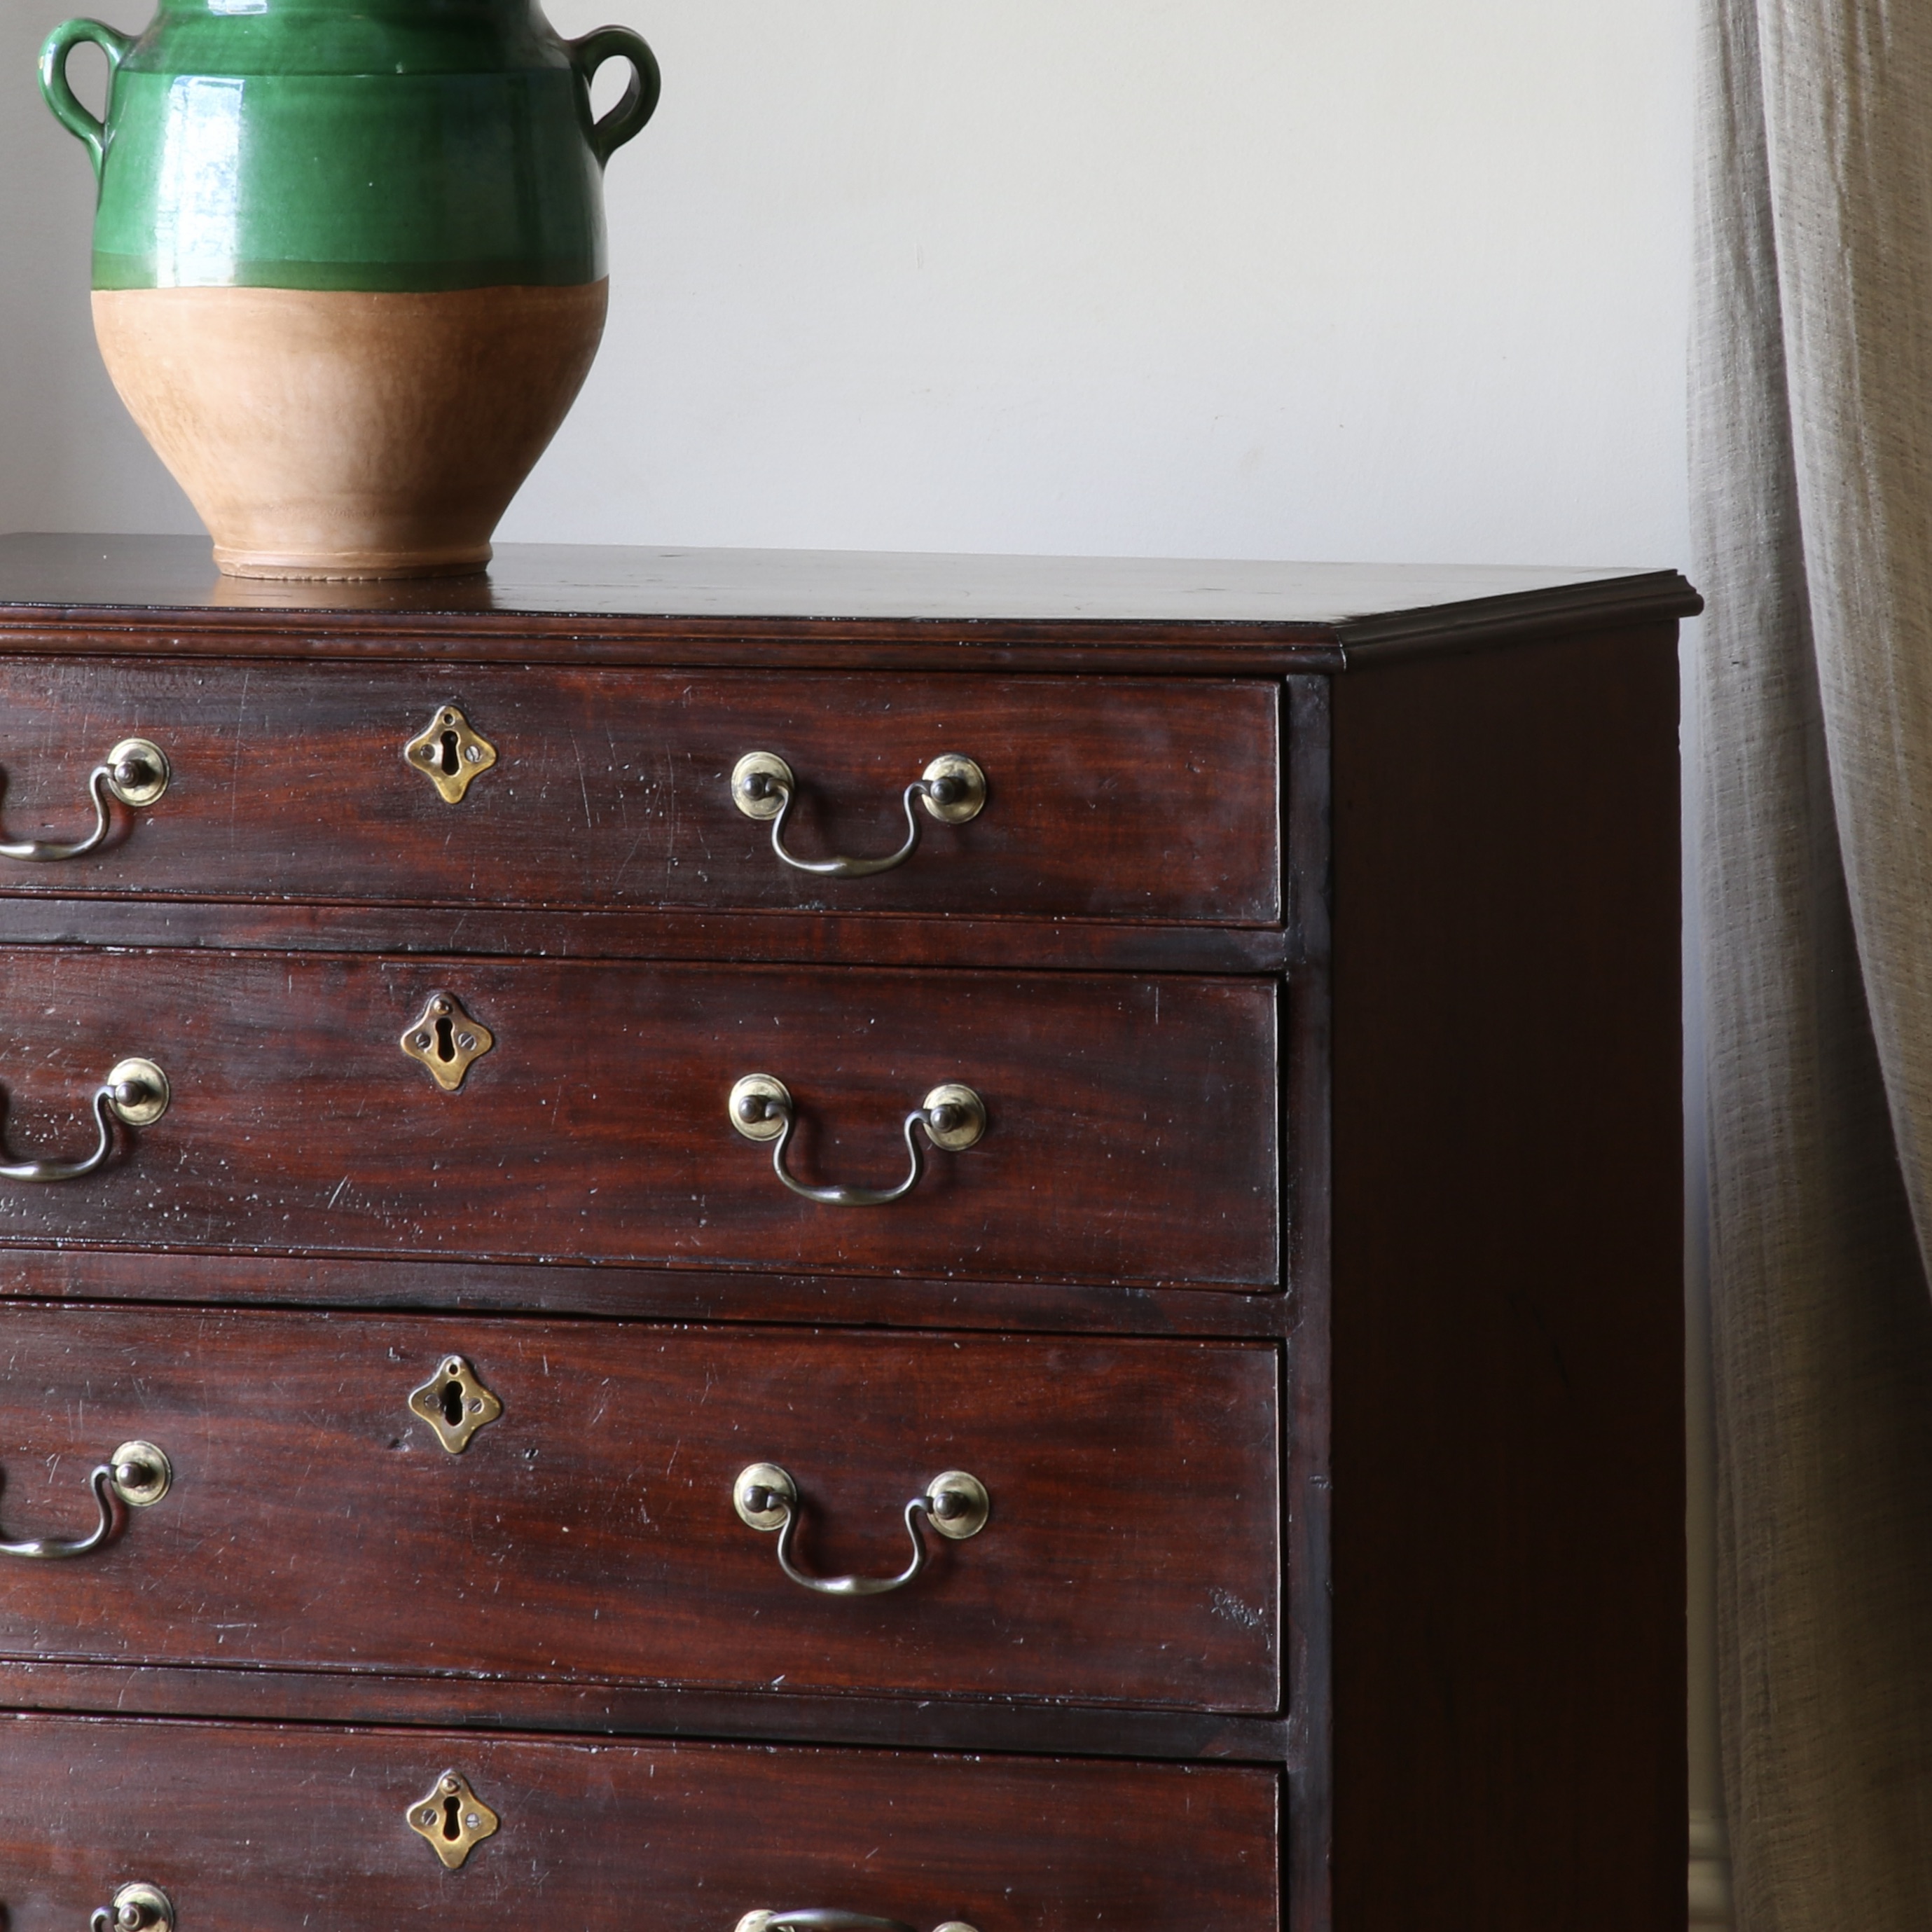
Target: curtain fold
(1811,410)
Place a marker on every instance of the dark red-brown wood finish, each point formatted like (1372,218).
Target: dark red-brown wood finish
(589,1528)
(1508,1581)
(1152,801)
(787,938)
(785,611)
(249,1829)
(1131,1122)
(1316,946)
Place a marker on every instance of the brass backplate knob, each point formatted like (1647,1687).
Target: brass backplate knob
(763,1496)
(142,1474)
(955,789)
(455,1404)
(760,1106)
(451,1819)
(450,753)
(957,1505)
(761,782)
(136,1908)
(956,1117)
(138,772)
(138,1092)
(447,1040)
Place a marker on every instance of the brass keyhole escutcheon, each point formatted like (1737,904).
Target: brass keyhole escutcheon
(447,1040)
(455,1404)
(450,753)
(451,1819)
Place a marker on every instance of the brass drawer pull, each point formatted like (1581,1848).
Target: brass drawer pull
(819,1920)
(952,1117)
(137,1478)
(136,1908)
(766,1498)
(136,772)
(136,1092)
(951,789)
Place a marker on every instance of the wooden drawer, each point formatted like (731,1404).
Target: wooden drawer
(258,1829)
(1141,800)
(1131,1129)
(1132,1555)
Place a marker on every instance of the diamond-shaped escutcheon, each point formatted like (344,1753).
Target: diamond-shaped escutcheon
(451,1819)
(455,1403)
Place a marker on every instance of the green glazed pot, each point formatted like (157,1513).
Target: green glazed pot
(348,258)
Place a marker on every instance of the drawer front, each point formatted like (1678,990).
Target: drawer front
(1118,799)
(262,1830)
(1131,1554)
(1130,1123)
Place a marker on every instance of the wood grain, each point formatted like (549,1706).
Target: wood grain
(1152,801)
(1309,1393)
(593,1707)
(72,1273)
(1132,1555)
(792,611)
(1465,1158)
(1508,1431)
(1132,1137)
(250,1829)
(590,581)
(748,938)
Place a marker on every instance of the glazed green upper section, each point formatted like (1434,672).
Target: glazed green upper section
(350,181)
(378,145)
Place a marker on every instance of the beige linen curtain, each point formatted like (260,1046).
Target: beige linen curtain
(1812,471)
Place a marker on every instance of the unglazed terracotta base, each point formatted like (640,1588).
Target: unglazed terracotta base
(326,435)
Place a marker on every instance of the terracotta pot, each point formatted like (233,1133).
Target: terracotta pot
(349,262)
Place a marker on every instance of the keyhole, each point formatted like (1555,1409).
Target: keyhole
(452,1403)
(452,1820)
(449,764)
(446,1039)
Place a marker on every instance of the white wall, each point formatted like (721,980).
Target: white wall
(1387,279)
(1252,277)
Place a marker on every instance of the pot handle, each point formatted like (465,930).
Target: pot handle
(640,98)
(61,98)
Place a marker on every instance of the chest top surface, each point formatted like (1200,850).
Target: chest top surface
(829,606)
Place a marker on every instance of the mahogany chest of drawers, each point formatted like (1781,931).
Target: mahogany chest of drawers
(1110,1357)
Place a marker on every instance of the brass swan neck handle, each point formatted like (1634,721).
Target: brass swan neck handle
(818,1919)
(136,772)
(952,789)
(955,1504)
(951,1117)
(136,1477)
(135,1093)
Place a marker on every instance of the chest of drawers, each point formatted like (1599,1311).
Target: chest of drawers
(1111,1359)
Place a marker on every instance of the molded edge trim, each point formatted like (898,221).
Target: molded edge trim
(1662,596)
